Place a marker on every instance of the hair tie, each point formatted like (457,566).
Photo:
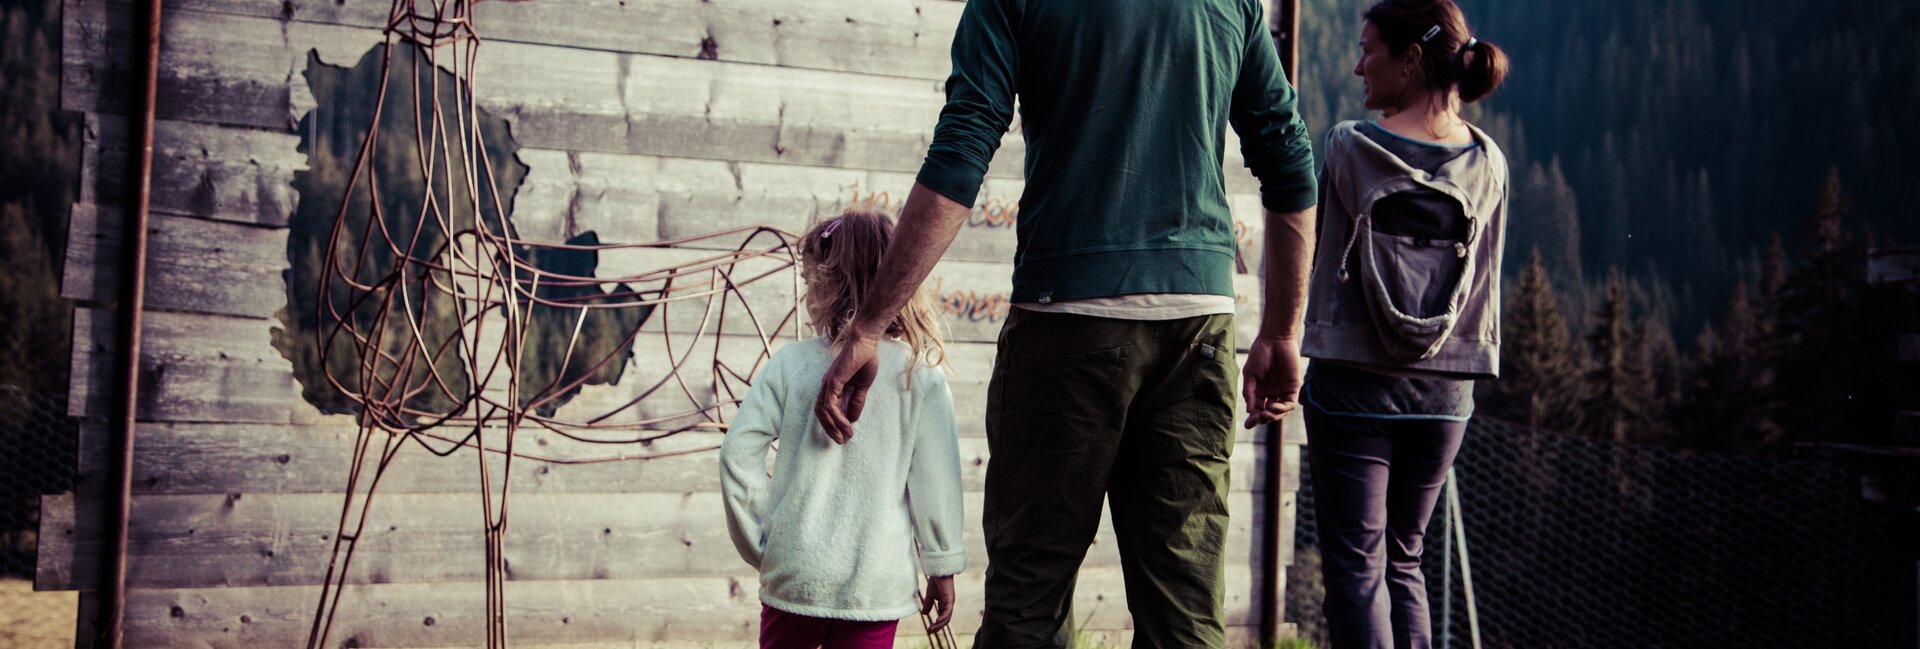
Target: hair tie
(1435,31)
(1470,43)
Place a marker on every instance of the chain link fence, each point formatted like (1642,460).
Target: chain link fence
(37,448)
(1576,542)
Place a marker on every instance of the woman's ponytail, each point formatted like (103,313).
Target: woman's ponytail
(1483,66)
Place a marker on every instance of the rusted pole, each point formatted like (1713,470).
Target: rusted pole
(1284,23)
(133,289)
(1286,35)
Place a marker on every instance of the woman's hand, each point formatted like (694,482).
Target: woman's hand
(1271,380)
(939,597)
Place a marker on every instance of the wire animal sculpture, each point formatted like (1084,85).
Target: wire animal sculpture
(452,333)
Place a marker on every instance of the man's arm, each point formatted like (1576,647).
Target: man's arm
(980,95)
(1273,141)
(1272,385)
(928,224)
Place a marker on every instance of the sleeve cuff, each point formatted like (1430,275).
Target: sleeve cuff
(1291,188)
(942,564)
(958,181)
(1292,198)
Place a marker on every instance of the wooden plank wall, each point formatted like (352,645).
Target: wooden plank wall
(638,119)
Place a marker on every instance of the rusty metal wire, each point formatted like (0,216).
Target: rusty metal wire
(942,639)
(466,385)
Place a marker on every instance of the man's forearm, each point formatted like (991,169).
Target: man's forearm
(1289,262)
(928,224)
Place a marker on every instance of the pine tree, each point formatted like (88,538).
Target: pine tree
(1548,219)
(1618,393)
(1773,280)
(1664,371)
(1820,318)
(1731,393)
(39,154)
(1539,380)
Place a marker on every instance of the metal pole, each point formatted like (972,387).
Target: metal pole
(133,289)
(1287,35)
(1460,536)
(1283,17)
(1446,570)
(1272,590)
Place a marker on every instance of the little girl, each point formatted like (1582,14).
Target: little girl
(834,531)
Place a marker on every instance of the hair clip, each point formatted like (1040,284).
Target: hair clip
(827,232)
(1435,31)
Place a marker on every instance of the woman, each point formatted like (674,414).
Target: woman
(1403,311)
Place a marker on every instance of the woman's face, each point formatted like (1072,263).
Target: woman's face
(1386,77)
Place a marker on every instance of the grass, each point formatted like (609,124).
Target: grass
(35,620)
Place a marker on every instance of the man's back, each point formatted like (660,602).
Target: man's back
(1124,104)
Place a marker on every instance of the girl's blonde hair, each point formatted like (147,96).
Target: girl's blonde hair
(838,259)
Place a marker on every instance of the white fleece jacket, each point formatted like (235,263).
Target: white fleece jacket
(833,531)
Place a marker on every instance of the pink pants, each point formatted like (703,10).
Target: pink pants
(782,630)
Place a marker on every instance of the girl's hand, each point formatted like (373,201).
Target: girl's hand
(939,596)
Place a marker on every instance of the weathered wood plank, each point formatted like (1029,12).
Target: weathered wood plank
(192,264)
(53,570)
(179,459)
(245,175)
(631,612)
(194,368)
(209,368)
(879,37)
(556,98)
(230,173)
(244,540)
(222,268)
(694,197)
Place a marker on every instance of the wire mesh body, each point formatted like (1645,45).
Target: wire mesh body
(1577,542)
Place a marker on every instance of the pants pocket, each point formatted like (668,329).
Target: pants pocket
(1058,402)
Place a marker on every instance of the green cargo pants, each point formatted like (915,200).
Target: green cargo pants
(1139,413)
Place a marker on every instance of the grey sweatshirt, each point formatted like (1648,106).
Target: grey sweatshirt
(1395,301)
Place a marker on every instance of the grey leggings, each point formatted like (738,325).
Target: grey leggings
(1375,483)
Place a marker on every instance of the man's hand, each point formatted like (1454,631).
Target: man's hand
(1271,379)
(939,596)
(928,224)
(843,391)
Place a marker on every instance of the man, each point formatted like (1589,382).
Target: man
(1114,376)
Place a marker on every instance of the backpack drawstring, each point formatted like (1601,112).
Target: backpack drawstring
(1359,225)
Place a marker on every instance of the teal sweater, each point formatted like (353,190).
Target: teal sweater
(1124,106)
